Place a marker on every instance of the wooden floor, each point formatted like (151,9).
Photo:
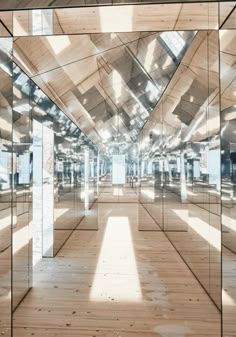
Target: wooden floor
(116,282)
(229,293)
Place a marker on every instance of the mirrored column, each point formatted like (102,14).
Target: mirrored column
(22,187)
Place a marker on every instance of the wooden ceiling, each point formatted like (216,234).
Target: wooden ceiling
(102,19)
(30,4)
(73,59)
(193,89)
(77,73)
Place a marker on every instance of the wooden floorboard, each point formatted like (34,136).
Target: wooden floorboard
(116,282)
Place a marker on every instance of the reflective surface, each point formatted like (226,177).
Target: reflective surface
(22,187)
(180,162)
(106,19)
(14,4)
(5,185)
(228,115)
(67,196)
(160,148)
(228,15)
(122,77)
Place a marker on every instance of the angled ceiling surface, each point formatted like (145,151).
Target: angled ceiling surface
(108,83)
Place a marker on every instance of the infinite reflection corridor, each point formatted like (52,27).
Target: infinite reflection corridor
(163,297)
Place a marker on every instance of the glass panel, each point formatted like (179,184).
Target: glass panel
(105,19)
(22,194)
(6,19)
(228,15)
(14,4)
(5,185)
(228,151)
(37,192)
(48,191)
(180,159)
(67,195)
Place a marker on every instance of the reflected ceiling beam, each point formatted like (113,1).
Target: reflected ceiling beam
(162,17)
(190,70)
(226,10)
(7,20)
(105,19)
(33,4)
(4,32)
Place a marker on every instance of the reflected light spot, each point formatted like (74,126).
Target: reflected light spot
(150,55)
(18,29)
(227,300)
(117,84)
(118,191)
(124,15)
(5,222)
(149,194)
(116,277)
(20,59)
(58,212)
(58,43)
(213,236)
(20,239)
(213,124)
(230,116)
(229,222)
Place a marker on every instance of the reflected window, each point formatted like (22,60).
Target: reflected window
(42,22)
(174,41)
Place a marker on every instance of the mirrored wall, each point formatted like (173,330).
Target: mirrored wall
(180,162)
(66,182)
(6,174)
(228,160)
(22,187)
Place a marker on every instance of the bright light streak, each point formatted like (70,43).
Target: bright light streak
(116,277)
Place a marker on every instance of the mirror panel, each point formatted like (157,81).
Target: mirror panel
(5,185)
(179,153)
(22,187)
(228,141)
(165,17)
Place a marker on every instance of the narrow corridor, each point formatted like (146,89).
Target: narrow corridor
(116,281)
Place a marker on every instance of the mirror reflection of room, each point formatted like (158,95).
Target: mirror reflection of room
(117,168)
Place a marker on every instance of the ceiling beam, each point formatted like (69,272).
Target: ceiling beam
(129,18)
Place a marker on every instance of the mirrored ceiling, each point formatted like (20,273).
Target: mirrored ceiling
(21,4)
(108,84)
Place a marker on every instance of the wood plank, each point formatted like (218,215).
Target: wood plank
(170,303)
(102,19)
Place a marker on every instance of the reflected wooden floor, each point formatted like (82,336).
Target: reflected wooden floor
(229,293)
(107,284)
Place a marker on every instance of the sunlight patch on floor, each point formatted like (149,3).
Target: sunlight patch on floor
(116,277)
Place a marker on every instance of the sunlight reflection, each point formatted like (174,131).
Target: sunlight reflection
(5,222)
(229,222)
(18,29)
(212,235)
(148,193)
(118,191)
(20,239)
(58,212)
(116,276)
(58,43)
(227,300)
(107,19)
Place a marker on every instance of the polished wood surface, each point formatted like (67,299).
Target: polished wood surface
(106,19)
(229,293)
(116,281)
